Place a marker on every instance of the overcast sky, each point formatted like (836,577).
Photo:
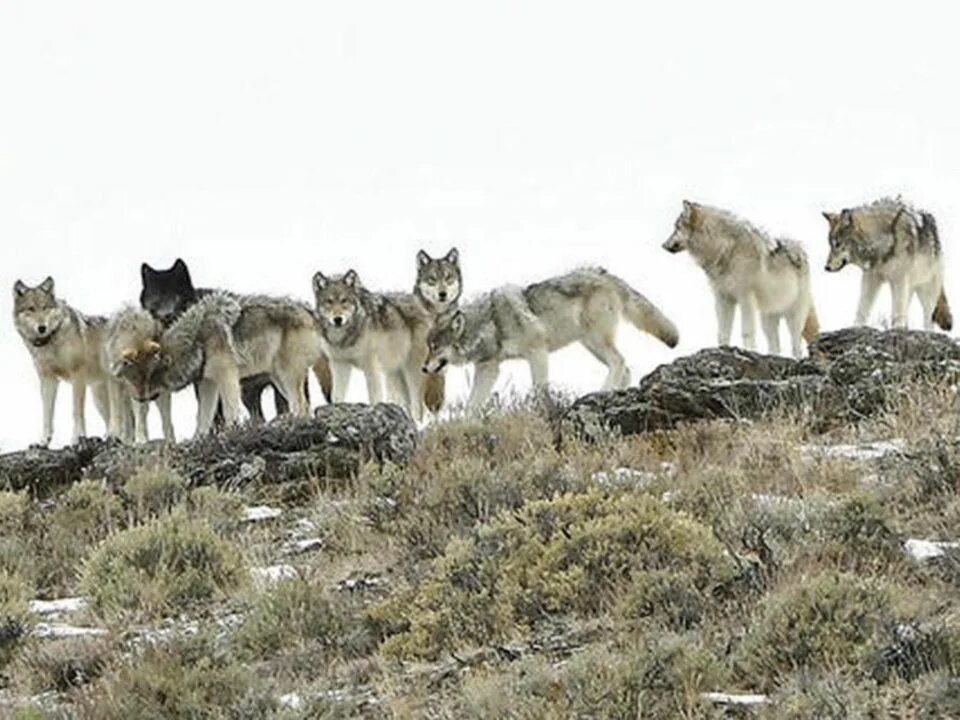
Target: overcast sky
(264,141)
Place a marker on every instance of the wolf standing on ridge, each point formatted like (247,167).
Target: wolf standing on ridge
(896,244)
(166,294)
(746,267)
(583,306)
(218,341)
(64,345)
(382,334)
(439,286)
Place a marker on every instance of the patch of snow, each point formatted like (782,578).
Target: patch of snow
(927,549)
(863,451)
(258,513)
(735,698)
(57,607)
(361,583)
(62,630)
(291,700)
(629,476)
(273,573)
(305,545)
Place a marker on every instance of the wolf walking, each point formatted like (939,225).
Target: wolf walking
(218,341)
(896,244)
(583,306)
(382,334)
(64,345)
(747,268)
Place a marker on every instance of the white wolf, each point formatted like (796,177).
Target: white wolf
(382,334)
(132,334)
(896,244)
(746,267)
(220,340)
(583,306)
(64,345)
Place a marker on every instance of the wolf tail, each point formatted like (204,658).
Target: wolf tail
(434,386)
(928,231)
(811,326)
(645,315)
(941,313)
(321,369)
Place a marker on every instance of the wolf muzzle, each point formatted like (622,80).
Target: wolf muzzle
(672,248)
(440,366)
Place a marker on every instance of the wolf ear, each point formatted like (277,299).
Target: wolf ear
(146,273)
(319,281)
(180,265)
(457,323)
(19,288)
(453,256)
(350,278)
(831,217)
(422,258)
(47,285)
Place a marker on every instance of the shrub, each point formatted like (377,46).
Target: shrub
(830,621)
(60,665)
(575,553)
(14,595)
(171,563)
(154,491)
(223,510)
(15,551)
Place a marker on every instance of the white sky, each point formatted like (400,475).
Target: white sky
(264,141)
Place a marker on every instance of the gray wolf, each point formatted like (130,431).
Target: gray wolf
(130,335)
(438,286)
(382,334)
(893,243)
(218,341)
(166,294)
(746,267)
(64,345)
(583,306)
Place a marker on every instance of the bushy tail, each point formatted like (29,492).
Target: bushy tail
(321,369)
(645,315)
(434,387)
(811,326)
(941,313)
(928,231)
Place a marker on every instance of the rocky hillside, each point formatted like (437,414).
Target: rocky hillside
(738,536)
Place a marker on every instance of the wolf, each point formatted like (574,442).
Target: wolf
(166,294)
(64,345)
(748,268)
(383,335)
(219,340)
(583,306)
(438,287)
(131,334)
(893,243)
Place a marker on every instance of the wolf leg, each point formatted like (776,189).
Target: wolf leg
(724,306)
(869,287)
(101,399)
(485,375)
(141,429)
(118,398)
(166,417)
(748,321)
(539,361)
(207,398)
(79,403)
(413,379)
(928,295)
(618,375)
(48,397)
(795,323)
(374,378)
(900,293)
(291,385)
(396,388)
(771,329)
(340,375)
(228,386)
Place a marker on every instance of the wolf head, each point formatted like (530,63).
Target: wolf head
(683,229)
(443,341)
(167,293)
(439,281)
(142,367)
(37,313)
(337,298)
(845,238)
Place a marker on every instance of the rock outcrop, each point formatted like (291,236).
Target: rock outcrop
(849,375)
(334,443)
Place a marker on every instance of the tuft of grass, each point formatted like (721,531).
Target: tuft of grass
(64,664)
(172,563)
(153,491)
(14,595)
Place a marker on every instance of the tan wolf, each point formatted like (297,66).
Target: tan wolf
(218,341)
(893,243)
(64,345)
(583,306)
(382,334)
(748,268)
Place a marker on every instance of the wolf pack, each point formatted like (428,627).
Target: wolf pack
(232,347)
